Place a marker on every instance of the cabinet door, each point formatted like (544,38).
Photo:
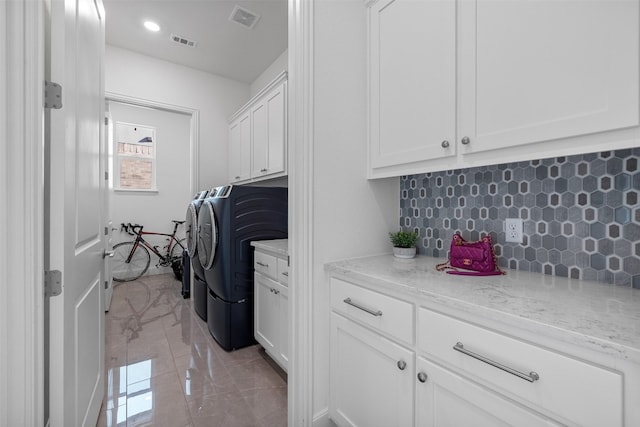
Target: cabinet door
(266,316)
(534,71)
(449,400)
(269,130)
(283,321)
(412,81)
(371,378)
(240,149)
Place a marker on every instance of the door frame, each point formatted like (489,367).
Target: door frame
(22,352)
(194,178)
(301,220)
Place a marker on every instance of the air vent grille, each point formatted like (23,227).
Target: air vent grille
(244,17)
(183,41)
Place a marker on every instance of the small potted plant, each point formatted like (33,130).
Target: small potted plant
(404,243)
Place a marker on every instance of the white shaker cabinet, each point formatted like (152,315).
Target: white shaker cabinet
(399,359)
(412,81)
(240,149)
(371,377)
(271,305)
(258,135)
(269,129)
(460,83)
(445,399)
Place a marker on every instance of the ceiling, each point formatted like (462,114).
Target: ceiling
(223,47)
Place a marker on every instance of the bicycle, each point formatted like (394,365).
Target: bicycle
(131,259)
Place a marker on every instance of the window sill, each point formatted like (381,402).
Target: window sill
(129,190)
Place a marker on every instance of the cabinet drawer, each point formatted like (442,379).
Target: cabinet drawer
(577,391)
(265,264)
(283,271)
(382,312)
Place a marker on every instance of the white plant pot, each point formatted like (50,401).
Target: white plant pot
(404,252)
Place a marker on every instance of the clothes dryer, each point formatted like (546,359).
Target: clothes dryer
(227,224)
(191,227)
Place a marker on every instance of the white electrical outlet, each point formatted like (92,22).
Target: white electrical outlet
(513,229)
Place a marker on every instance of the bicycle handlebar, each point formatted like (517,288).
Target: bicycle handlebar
(131,229)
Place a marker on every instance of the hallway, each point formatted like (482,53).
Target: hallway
(164,369)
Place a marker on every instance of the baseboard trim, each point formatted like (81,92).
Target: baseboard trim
(321,419)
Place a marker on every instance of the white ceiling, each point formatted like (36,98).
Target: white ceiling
(223,47)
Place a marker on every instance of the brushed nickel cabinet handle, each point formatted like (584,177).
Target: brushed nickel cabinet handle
(373,312)
(445,144)
(261,264)
(531,376)
(465,140)
(422,377)
(402,365)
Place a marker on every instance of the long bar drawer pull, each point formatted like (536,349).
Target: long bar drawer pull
(531,376)
(363,308)
(261,264)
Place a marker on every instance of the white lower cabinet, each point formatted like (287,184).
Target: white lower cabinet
(455,373)
(267,304)
(444,399)
(371,377)
(271,306)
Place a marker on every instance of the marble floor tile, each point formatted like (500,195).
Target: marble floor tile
(163,368)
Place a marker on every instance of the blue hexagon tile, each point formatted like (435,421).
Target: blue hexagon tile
(581,214)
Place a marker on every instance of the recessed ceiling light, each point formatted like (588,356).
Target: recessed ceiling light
(151,26)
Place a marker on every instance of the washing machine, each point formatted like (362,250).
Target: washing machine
(227,223)
(191,232)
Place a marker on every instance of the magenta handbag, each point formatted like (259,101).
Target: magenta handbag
(474,258)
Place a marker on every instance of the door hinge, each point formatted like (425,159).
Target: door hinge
(106,231)
(52,283)
(52,95)
(106,121)
(106,176)
(288,260)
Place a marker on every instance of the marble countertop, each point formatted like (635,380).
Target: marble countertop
(279,246)
(603,317)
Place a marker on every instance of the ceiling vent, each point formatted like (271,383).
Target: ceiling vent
(244,17)
(182,41)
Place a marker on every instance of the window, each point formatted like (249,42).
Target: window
(135,157)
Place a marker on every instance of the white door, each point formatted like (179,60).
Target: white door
(77,219)
(108,231)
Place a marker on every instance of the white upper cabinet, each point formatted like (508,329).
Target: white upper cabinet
(413,94)
(258,135)
(240,149)
(535,71)
(500,81)
(269,128)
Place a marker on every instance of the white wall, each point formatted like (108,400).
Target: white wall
(216,98)
(352,215)
(272,71)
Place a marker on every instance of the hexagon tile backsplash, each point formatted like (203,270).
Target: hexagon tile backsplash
(581,213)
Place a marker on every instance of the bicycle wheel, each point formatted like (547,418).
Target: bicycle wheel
(176,250)
(176,258)
(124,271)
